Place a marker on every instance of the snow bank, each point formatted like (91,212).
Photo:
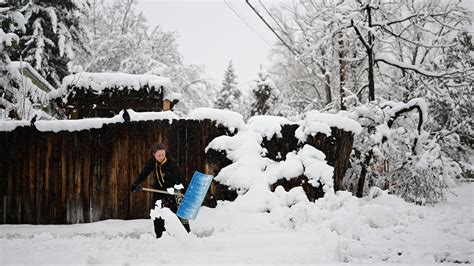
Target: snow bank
(338,229)
(251,173)
(232,120)
(100,81)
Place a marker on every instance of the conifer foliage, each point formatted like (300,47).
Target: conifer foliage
(265,95)
(53,36)
(230,96)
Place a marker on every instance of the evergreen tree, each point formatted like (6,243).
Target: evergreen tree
(265,95)
(54,34)
(230,95)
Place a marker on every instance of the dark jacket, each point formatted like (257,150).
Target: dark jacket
(165,175)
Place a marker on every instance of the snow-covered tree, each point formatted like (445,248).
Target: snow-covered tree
(364,48)
(230,96)
(54,34)
(11,98)
(123,42)
(395,152)
(265,96)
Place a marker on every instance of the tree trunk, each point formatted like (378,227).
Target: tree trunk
(363,174)
(342,69)
(370,54)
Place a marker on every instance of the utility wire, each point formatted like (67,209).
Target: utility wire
(273,18)
(268,25)
(229,4)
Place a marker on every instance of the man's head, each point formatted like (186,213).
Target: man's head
(159,151)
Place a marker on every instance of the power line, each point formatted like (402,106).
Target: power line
(273,18)
(229,4)
(268,25)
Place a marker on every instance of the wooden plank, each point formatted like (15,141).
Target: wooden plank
(110,175)
(23,178)
(86,159)
(63,190)
(39,178)
(72,217)
(95,176)
(32,169)
(56,178)
(125,176)
(103,189)
(119,206)
(9,182)
(3,175)
(79,178)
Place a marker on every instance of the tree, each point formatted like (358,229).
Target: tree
(265,96)
(123,42)
(15,98)
(382,43)
(379,51)
(230,96)
(54,34)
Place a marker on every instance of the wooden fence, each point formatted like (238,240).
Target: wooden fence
(85,176)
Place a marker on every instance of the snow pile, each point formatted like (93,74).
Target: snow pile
(267,126)
(172,224)
(232,120)
(316,122)
(100,81)
(337,229)
(251,173)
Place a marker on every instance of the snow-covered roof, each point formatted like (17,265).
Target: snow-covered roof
(31,73)
(100,81)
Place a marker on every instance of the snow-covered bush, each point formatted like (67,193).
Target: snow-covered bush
(414,166)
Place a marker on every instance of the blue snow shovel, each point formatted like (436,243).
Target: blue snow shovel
(194,196)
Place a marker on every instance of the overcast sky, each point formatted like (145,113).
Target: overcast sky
(211,34)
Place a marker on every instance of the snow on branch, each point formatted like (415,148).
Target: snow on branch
(418,103)
(419,70)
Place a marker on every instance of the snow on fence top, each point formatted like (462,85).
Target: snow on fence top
(316,122)
(268,126)
(100,81)
(232,120)
(86,123)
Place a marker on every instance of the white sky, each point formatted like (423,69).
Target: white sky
(211,34)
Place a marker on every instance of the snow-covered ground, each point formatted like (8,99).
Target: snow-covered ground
(337,229)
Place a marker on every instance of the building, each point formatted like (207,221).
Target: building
(105,94)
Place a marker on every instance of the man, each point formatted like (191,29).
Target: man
(166,174)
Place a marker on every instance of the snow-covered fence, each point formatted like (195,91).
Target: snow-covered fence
(78,171)
(277,140)
(85,175)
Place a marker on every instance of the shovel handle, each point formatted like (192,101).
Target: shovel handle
(161,191)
